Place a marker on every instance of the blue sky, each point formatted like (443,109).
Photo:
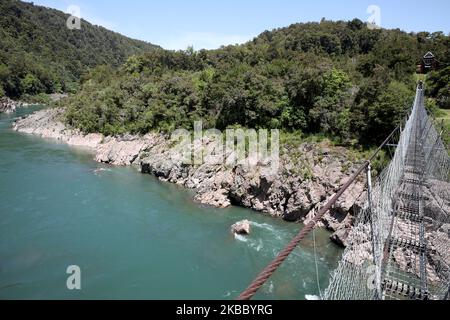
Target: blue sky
(176,24)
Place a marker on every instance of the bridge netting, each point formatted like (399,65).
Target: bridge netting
(399,247)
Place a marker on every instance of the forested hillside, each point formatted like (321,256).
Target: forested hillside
(335,78)
(39,54)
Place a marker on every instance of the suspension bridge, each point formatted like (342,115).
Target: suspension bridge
(399,246)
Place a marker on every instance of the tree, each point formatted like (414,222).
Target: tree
(356,25)
(31,85)
(335,78)
(33,43)
(389,110)
(326,113)
(438,87)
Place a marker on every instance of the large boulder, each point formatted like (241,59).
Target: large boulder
(241,227)
(215,198)
(120,151)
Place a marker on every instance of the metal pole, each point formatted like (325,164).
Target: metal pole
(248,293)
(372,228)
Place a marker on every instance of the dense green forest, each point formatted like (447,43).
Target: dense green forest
(39,54)
(438,87)
(339,79)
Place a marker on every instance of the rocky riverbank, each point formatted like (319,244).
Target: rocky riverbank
(308,175)
(8,105)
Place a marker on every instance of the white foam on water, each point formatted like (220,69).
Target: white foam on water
(99,170)
(311,297)
(263,226)
(240,237)
(269,287)
(278,234)
(304,284)
(257,245)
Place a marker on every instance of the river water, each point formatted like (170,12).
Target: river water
(132,236)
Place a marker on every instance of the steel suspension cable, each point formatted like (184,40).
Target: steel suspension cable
(265,275)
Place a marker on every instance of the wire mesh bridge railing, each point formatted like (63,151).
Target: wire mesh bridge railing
(399,247)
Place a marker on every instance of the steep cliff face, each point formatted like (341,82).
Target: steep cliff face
(285,193)
(306,178)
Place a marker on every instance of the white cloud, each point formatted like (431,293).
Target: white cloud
(203,40)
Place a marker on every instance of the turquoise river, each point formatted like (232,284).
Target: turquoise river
(132,236)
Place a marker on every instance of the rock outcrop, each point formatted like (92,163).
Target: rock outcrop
(285,193)
(121,151)
(48,124)
(8,106)
(241,227)
(308,175)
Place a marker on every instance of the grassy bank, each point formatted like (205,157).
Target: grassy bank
(443,118)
